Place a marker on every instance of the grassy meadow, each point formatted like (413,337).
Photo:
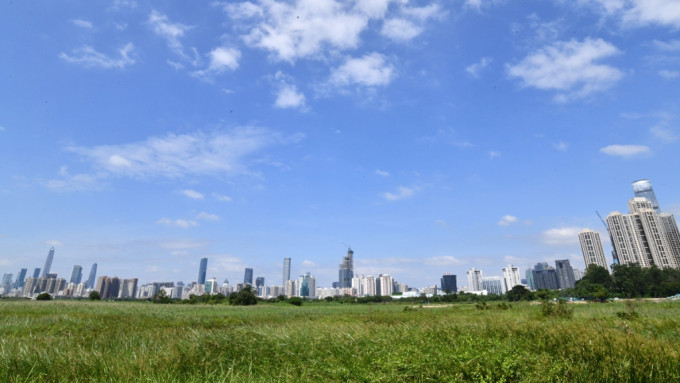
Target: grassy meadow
(71,341)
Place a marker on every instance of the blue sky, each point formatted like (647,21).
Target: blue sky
(430,137)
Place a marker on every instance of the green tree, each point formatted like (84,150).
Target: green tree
(519,293)
(162,297)
(94,295)
(44,297)
(296,301)
(245,297)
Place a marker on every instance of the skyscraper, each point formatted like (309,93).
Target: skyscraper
(475,280)
(248,276)
(36,273)
(591,247)
(511,277)
(545,277)
(448,283)
(76,274)
(48,262)
(346,272)
(92,277)
(643,236)
(19,283)
(201,271)
(493,285)
(565,274)
(306,286)
(286,270)
(259,281)
(386,285)
(643,188)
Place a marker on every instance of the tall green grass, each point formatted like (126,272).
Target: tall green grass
(61,341)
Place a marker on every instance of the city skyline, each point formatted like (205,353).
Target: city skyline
(432,137)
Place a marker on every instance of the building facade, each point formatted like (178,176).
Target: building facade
(591,248)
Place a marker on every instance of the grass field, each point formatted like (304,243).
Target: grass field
(69,341)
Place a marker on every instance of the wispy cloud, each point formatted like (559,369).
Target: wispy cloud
(90,58)
(207,216)
(561,146)
(287,94)
(626,150)
(669,74)
(369,70)
(171,32)
(382,173)
(561,236)
(193,194)
(221,60)
(401,193)
(54,242)
(476,68)
(221,197)
(179,155)
(444,260)
(82,23)
(181,223)
(507,220)
(570,68)
(664,134)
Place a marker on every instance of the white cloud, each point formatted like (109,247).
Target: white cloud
(638,13)
(82,23)
(494,154)
(626,150)
(181,223)
(300,29)
(89,57)
(507,220)
(570,68)
(401,193)
(369,70)
(171,32)
(561,236)
(75,182)
(476,68)
(444,260)
(561,146)
(308,263)
(221,60)
(193,194)
(382,173)
(664,134)
(207,216)
(221,197)
(289,97)
(179,155)
(669,74)
(118,4)
(53,242)
(668,46)
(2,128)
(400,29)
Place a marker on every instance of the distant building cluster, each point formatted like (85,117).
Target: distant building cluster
(645,237)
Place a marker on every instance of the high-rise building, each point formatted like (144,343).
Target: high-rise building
(529,274)
(92,277)
(76,274)
(449,283)
(248,276)
(19,283)
(211,286)
(493,285)
(511,277)
(644,237)
(475,280)
(545,277)
(201,271)
(128,288)
(591,247)
(259,281)
(643,188)
(291,288)
(306,286)
(286,270)
(565,274)
(48,262)
(108,288)
(6,284)
(36,273)
(386,285)
(578,274)
(346,271)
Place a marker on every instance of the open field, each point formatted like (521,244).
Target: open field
(114,341)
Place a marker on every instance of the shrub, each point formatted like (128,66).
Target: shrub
(296,301)
(630,312)
(44,297)
(559,310)
(481,305)
(94,296)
